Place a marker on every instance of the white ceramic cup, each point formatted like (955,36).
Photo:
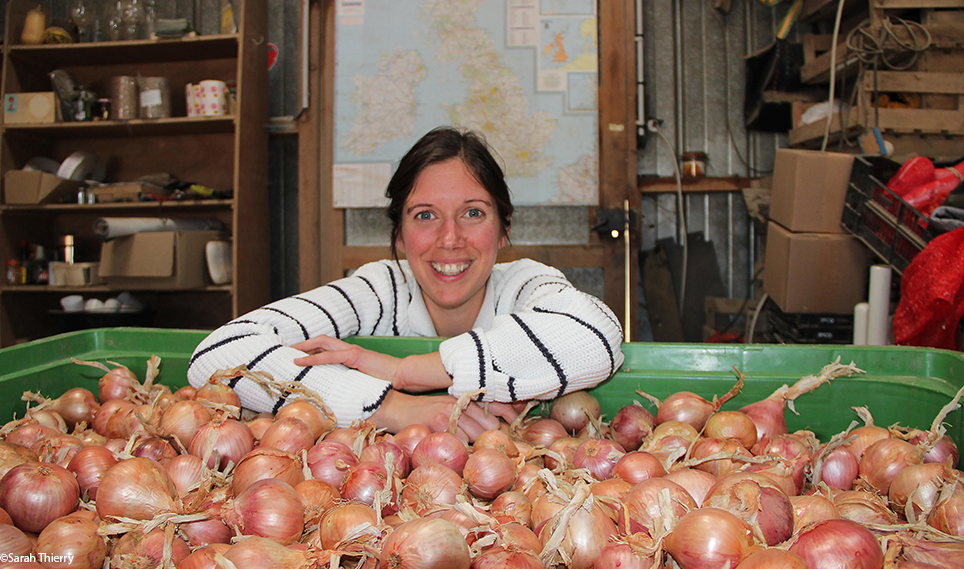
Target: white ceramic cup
(213,95)
(72,303)
(189,99)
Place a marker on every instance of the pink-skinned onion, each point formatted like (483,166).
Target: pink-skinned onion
(839,543)
(709,537)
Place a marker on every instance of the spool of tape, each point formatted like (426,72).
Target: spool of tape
(81,166)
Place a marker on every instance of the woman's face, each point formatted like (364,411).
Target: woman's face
(450,234)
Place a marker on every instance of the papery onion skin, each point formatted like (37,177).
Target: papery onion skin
(507,559)
(751,497)
(289,434)
(696,482)
(364,481)
(620,555)
(156,449)
(231,440)
(386,451)
(75,539)
(631,425)
(644,508)
(709,537)
(686,407)
(267,508)
(498,440)
(310,415)
(204,557)
(512,506)
(443,448)
(182,420)
(488,473)
(731,425)
(263,553)
(948,514)
(838,544)
(89,466)
(267,462)
(773,558)
(430,486)
(864,437)
(12,454)
(137,549)
(344,520)
(186,471)
(574,410)
(136,488)
(598,456)
(425,543)
(922,481)
(317,497)
(884,459)
(810,509)
(636,466)
(116,384)
(34,494)
(330,461)
(864,507)
(542,432)
(76,405)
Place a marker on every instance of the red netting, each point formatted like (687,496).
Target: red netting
(932,295)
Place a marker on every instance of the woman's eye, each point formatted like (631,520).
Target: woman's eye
(474,212)
(423,215)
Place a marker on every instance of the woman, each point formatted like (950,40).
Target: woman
(517,330)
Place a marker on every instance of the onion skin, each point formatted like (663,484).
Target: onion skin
(409,437)
(586,534)
(644,508)
(502,559)
(443,448)
(810,509)
(752,496)
(611,496)
(182,420)
(512,506)
(685,407)
(498,440)
(731,425)
(330,461)
(709,537)
(310,415)
(14,541)
(203,557)
(696,482)
(620,555)
(771,558)
(267,462)
(598,456)
(34,494)
(289,434)
(317,497)
(542,432)
(842,544)
(231,440)
(948,514)
(74,538)
(840,469)
(364,481)
(89,466)
(384,452)
(12,454)
(425,543)
(263,553)
(267,508)
(343,520)
(137,549)
(884,459)
(636,466)
(431,486)
(922,481)
(76,405)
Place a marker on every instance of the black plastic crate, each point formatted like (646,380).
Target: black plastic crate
(800,328)
(881,219)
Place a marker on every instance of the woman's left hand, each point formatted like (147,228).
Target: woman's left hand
(327,350)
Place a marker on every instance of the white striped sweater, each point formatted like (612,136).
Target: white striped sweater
(536,337)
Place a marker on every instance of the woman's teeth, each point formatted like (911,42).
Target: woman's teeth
(450,269)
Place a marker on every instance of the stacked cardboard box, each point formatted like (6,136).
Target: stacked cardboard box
(812,264)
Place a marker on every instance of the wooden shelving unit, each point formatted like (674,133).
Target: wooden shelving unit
(223,153)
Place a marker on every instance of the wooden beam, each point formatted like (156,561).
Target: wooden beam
(650,185)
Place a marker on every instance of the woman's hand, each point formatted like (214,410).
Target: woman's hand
(422,372)
(399,410)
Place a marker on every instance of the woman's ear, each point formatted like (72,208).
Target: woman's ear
(505,238)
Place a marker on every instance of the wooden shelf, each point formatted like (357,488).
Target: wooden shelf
(134,128)
(129,207)
(119,52)
(668,185)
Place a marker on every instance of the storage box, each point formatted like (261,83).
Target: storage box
(814,272)
(35,187)
(162,259)
(894,375)
(74,274)
(809,188)
(29,108)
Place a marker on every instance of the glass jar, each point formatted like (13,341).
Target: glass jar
(84,105)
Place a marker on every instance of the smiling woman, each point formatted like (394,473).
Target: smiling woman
(518,330)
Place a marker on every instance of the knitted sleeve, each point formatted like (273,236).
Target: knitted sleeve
(547,339)
(365,303)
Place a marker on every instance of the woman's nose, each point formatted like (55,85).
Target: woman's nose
(450,234)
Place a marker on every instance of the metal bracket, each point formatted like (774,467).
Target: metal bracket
(611,223)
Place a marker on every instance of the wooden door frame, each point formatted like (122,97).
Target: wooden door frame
(323,253)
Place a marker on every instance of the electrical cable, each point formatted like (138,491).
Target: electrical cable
(681,213)
(756,314)
(833,74)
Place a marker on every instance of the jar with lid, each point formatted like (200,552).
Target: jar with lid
(85,104)
(13,272)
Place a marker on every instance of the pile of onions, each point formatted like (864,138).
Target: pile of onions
(142,476)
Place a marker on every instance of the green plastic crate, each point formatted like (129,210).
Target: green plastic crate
(901,385)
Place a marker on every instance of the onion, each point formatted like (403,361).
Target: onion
(788,448)
(574,410)
(884,459)
(76,405)
(948,514)
(498,440)
(839,469)
(118,383)
(757,500)
(719,467)
(528,482)
(940,450)
(186,392)
(30,434)
(136,488)
(89,466)
(330,461)
(636,466)
(488,473)
(75,539)
(182,421)
(221,441)
(563,449)
(47,418)
(696,482)
(409,437)
(425,543)
(517,537)
(430,486)
(443,448)
(709,537)
(364,481)
(731,425)
(289,434)
(771,558)
(541,432)
(779,472)
(263,553)
(386,452)
(210,530)
(266,462)
(838,543)
(156,449)
(36,493)
(259,424)
(545,508)
(186,471)
(688,407)
(14,542)
(267,508)
(645,508)
(318,423)
(864,508)
(344,520)
(137,549)
(598,456)
(508,559)
(867,434)
(631,425)
(107,412)
(58,449)
(204,557)
(623,555)
(12,454)
(611,495)
(511,506)
(317,497)
(810,509)
(213,391)
(919,484)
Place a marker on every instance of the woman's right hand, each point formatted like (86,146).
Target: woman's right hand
(399,410)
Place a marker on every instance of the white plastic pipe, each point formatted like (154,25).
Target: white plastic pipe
(860,323)
(878,300)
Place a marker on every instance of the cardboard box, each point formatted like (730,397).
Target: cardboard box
(36,187)
(809,189)
(814,272)
(157,260)
(74,274)
(120,192)
(29,108)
